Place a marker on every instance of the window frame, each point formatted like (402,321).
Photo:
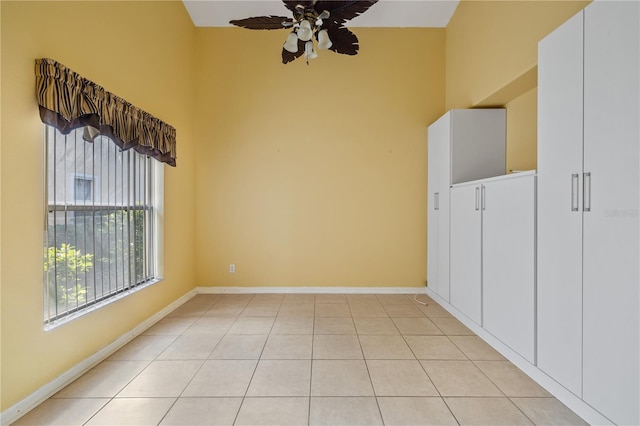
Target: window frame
(153,238)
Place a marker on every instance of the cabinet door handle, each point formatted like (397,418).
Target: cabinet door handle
(435,201)
(477,198)
(586,192)
(484,198)
(574,192)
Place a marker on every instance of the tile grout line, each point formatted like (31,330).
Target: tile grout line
(425,371)
(450,410)
(194,375)
(235,318)
(366,365)
(259,356)
(160,353)
(100,409)
(419,362)
(111,399)
(204,361)
(313,338)
(505,396)
(519,409)
(235,419)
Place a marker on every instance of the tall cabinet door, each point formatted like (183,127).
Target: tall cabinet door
(443,230)
(438,209)
(611,228)
(560,97)
(466,254)
(432,214)
(508,246)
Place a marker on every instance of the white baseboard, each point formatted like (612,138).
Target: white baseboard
(316,290)
(577,405)
(22,407)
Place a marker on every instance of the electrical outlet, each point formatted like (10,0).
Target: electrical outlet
(232,268)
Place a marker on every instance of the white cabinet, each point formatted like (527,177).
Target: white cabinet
(611,279)
(438,208)
(508,261)
(466,250)
(463,145)
(588,203)
(493,257)
(560,99)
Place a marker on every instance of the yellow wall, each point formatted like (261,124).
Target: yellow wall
(522,132)
(492,43)
(492,56)
(315,175)
(142,51)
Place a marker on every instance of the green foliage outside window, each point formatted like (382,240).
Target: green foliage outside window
(115,257)
(63,266)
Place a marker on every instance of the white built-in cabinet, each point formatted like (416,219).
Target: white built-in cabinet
(508,252)
(560,130)
(493,257)
(588,202)
(466,250)
(463,145)
(439,159)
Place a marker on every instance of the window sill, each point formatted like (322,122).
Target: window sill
(57,323)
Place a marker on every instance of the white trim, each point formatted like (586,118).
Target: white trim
(158,217)
(577,405)
(513,175)
(89,309)
(27,404)
(307,290)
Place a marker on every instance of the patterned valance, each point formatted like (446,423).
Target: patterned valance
(68,101)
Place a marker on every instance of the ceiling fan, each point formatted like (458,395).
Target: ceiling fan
(322,19)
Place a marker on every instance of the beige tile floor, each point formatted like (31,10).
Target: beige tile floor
(297,359)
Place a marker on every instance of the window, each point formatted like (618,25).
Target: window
(100,238)
(83,187)
(103,184)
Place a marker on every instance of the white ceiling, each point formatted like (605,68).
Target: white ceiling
(385,13)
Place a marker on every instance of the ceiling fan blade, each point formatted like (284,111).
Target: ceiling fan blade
(342,11)
(344,41)
(262,22)
(290,57)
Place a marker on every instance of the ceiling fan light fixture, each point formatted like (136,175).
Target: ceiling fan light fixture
(305,32)
(324,42)
(312,19)
(309,51)
(291,45)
